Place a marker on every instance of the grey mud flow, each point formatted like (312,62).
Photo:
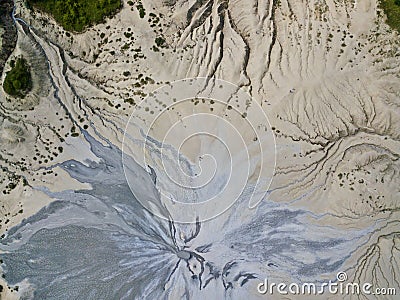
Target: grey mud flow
(102,244)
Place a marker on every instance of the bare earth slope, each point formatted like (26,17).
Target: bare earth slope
(325,73)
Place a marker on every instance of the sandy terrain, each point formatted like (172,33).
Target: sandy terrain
(324,73)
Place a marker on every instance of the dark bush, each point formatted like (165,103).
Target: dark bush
(18,81)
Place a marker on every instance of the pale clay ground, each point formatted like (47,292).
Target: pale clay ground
(325,72)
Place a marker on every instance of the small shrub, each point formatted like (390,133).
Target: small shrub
(18,81)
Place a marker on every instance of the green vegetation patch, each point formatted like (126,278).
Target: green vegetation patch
(18,81)
(140,8)
(76,15)
(392,11)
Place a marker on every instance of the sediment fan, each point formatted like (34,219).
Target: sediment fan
(204,142)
